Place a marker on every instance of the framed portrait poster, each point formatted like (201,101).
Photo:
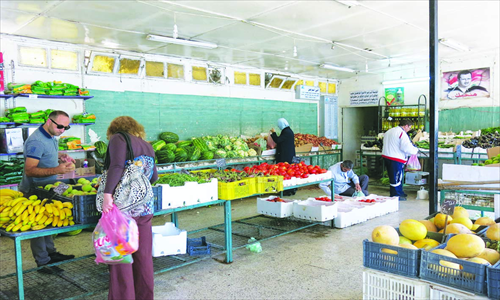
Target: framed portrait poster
(464,84)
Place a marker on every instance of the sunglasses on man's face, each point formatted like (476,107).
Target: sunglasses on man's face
(59,126)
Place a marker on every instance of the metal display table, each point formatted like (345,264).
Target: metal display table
(263,226)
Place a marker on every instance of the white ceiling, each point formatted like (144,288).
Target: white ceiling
(262,34)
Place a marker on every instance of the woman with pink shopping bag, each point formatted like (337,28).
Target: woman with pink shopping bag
(126,143)
(396,148)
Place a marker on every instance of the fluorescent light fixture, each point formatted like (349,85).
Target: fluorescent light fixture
(337,68)
(169,40)
(348,3)
(390,82)
(454,45)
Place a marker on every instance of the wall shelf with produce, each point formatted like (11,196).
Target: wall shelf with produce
(39,105)
(390,116)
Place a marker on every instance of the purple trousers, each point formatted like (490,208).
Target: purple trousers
(136,280)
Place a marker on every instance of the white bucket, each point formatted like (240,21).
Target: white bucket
(422,194)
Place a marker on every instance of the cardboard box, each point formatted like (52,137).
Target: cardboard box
(81,171)
(492,152)
(304,148)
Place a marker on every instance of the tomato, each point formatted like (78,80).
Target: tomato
(302,163)
(310,167)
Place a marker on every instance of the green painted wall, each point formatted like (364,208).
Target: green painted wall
(469,118)
(189,115)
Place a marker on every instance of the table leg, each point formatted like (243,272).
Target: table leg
(228,231)
(19,268)
(174,219)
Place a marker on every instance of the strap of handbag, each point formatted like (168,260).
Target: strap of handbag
(130,151)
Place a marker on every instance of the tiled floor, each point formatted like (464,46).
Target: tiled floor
(315,263)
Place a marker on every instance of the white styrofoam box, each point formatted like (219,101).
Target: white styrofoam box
(337,147)
(174,196)
(348,215)
(201,193)
(447,293)
(168,240)
(269,152)
(315,210)
(381,285)
(275,209)
(470,173)
(290,182)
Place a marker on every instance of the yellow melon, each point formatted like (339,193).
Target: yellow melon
(426,244)
(440,219)
(493,233)
(429,225)
(479,260)
(413,230)
(408,246)
(444,262)
(385,234)
(465,245)
(486,221)
(475,227)
(463,220)
(455,228)
(390,251)
(403,240)
(491,255)
(460,212)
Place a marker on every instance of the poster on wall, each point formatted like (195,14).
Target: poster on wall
(464,84)
(395,96)
(364,98)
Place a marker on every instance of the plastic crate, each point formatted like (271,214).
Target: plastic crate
(443,293)
(269,184)
(406,262)
(471,277)
(252,189)
(381,286)
(157,198)
(234,190)
(198,246)
(84,207)
(493,281)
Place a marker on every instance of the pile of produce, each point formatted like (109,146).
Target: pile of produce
(302,139)
(18,213)
(178,179)
(464,244)
(169,149)
(222,176)
(84,118)
(484,141)
(81,188)
(70,143)
(378,143)
(300,170)
(425,145)
(56,88)
(11,171)
(257,141)
(490,130)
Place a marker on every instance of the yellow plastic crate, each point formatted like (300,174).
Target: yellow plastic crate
(234,190)
(252,181)
(269,184)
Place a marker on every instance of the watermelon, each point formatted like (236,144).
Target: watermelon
(200,144)
(181,154)
(184,144)
(206,155)
(169,137)
(165,156)
(195,155)
(171,147)
(158,145)
(100,149)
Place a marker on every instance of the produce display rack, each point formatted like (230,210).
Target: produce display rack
(483,201)
(420,117)
(84,278)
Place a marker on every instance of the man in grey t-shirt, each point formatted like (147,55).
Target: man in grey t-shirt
(42,164)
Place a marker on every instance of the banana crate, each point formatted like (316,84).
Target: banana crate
(84,207)
(235,190)
(269,184)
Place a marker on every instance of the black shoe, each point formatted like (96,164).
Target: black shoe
(57,257)
(54,270)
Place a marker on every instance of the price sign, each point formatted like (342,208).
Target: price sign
(448,206)
(221,163)
(61,188)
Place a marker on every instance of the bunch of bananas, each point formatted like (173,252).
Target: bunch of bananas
(20,213)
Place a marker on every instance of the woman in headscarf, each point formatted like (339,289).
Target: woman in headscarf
(285,147)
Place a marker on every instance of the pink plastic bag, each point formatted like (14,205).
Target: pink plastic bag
(115,237)
(270,142)
(413,164)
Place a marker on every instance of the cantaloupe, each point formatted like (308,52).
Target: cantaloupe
(491,255)
(440,219)
(462,220)
(413,230)
(426,244)
(493,233)
(455,228)
(465,245)
(444,262)
(385,234)
(479,260)
(460,212)
(485,221)
(429,225)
